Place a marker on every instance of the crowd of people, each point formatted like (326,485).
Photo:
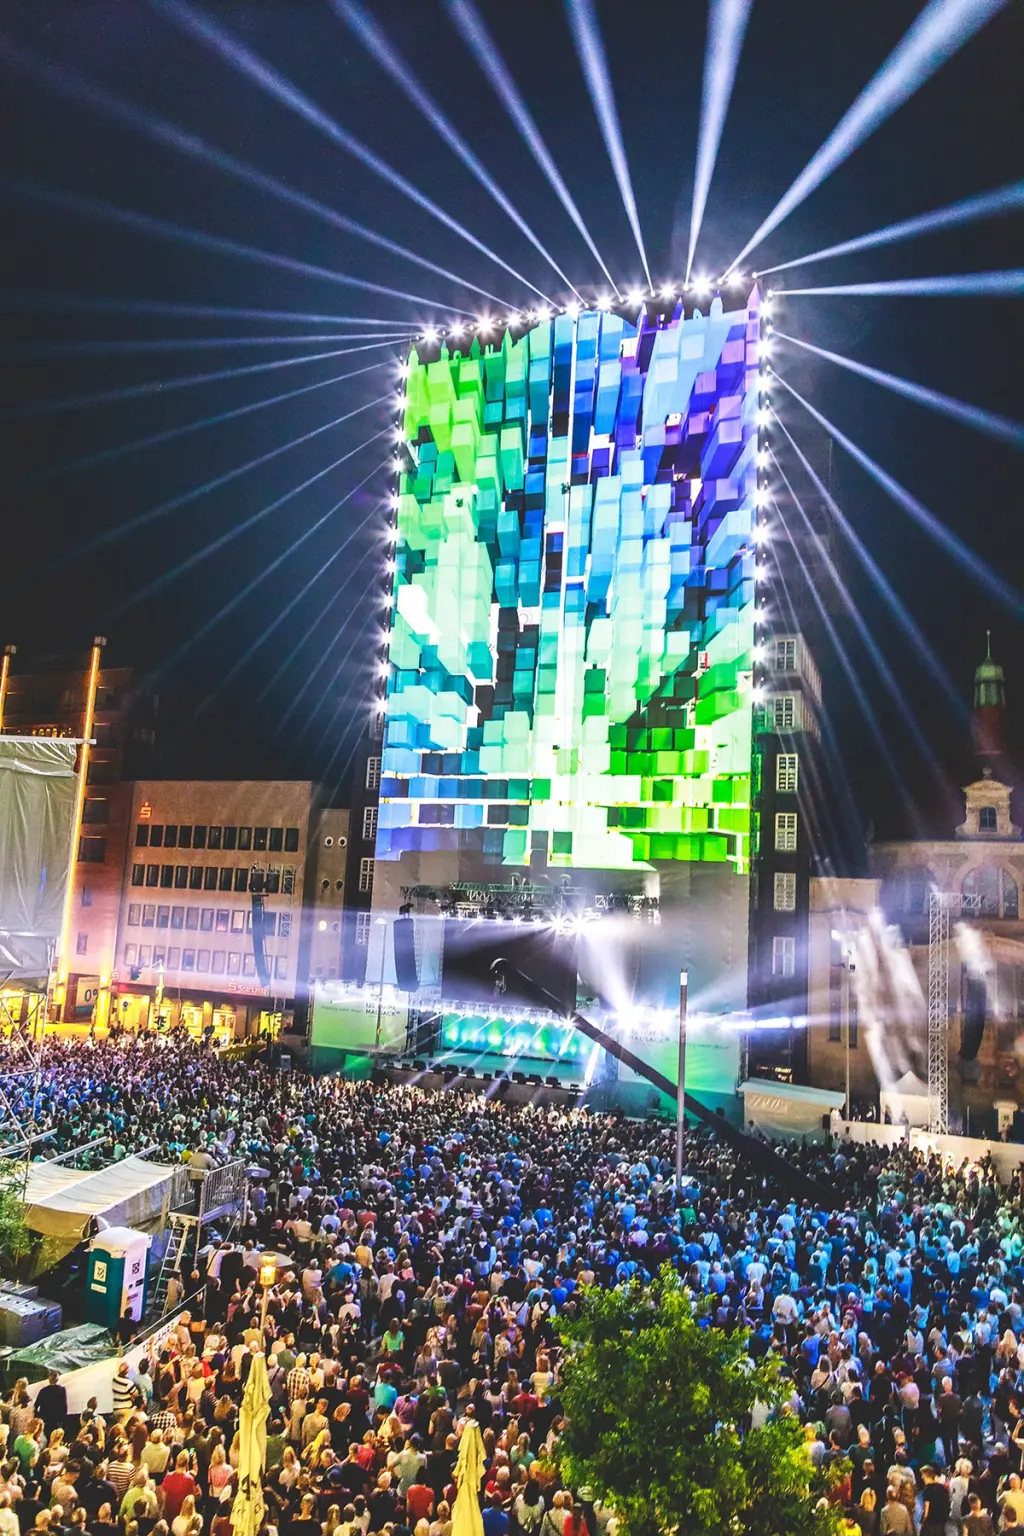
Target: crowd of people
(429,1243)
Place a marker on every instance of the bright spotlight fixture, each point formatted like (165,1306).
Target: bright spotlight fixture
(702,287)
(604,302)
(668,292)
(635,296)
(572,310)
(430,334)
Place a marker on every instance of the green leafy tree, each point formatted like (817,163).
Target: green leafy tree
(15,1238)
(656,1406)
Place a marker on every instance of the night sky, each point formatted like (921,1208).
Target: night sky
(223,692)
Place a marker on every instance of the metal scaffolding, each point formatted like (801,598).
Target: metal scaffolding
(938,1011)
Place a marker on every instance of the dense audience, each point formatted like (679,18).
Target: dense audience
(429,1242)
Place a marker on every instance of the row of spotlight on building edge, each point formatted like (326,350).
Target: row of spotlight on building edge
(634,299)
(700,287)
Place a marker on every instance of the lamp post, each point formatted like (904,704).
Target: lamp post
(380,922)
(684,981)
(268,1276)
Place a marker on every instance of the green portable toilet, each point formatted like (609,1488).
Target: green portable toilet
(116,1276)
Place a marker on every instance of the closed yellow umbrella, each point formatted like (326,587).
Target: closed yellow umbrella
(248,1508)
(466,1517)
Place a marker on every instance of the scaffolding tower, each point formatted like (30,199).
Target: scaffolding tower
(938,1011)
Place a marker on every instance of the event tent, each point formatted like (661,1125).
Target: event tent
(61,1202)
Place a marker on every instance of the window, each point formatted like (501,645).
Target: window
(996,891)
(281,967)
(195,878)
(339,885)
(159,955)
(248,965)
(163,917)
(241,879)
(144,956)
(130,954)
(369,823)
(170,837)
(272,882)
(987,819)
(191,917)
(173,959)
(134,914)
(787,773)
(275,842)
(181,877)
(206,920)
(148,915)
(373,773)
(188,959)
(259,839)
(785,831)
(782,711)
(234,963)
(783,956)
(248,921)
(184,837)
(213,837)
(785,655)
(366,874)
(244,839)
(284,925)
(92,850)
(363,920)
(291,839)
(177,917)
(156,836)
(85,898)
(210,877)
(138,874)
(203,960)
(238,922)
(142,835)
(82,944)
(217,963)
(288,881)
(166,877)
(225,877)
(785,893)
(198,837)
(152,874)
(99,773)
(230,842)
(96,812)
(222,920)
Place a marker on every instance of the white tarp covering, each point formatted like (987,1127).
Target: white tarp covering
(908,1097)
(784,1109)
(37,795)
(60,1202)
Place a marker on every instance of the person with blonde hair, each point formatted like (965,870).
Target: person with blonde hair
(184,1523)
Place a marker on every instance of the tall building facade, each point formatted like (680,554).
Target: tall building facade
(576,653)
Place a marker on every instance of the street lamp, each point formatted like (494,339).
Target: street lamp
(268,1275)
(684,981)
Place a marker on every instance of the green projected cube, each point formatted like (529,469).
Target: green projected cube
(573,618)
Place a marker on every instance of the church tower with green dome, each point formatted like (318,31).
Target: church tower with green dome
(989,714)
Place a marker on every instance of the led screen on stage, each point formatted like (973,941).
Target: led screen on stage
(571,658)
(532,952)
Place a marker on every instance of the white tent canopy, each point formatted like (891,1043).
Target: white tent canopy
(786,1109)
(61,1202)
(908,1096)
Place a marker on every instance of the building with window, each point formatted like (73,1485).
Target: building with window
(788,845)
(327,893)
(877,930)
(47,697)
(217,905)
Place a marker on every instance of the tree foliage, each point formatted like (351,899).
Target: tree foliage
(15,1238)
(658,1406)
